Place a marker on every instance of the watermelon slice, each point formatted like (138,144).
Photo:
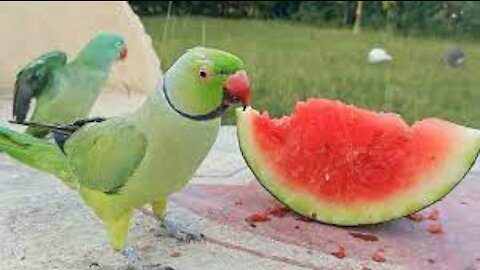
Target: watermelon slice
(344,165)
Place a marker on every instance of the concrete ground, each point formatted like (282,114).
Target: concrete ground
(44,225)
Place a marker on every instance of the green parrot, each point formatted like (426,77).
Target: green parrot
(65,92)
(122,163)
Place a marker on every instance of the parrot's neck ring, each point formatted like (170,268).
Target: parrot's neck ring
(215,113)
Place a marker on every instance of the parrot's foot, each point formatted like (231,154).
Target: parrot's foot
(133,260)
(135,263)
(180,233)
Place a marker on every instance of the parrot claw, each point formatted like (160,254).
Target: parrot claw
(181,233)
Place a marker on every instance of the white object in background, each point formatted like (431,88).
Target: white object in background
(378,55)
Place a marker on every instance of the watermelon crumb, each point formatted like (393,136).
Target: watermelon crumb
(378,257)
(365,268)
(278,211)
(175,254)
(416,217)
(340,253)
(364,236)
(433,215)
(435,228)
(257,217)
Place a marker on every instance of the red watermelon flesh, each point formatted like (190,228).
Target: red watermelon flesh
(345,165)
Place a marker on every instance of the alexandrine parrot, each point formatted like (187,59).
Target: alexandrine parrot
(65,92)
(122,163)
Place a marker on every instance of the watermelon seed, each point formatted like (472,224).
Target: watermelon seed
(365,268)
(314,215)
(463,203)
(297,227)
(432,261)
(92,265)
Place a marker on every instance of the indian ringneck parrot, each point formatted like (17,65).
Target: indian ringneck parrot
(65,92)
(122,163)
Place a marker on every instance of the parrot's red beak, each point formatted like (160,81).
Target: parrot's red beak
(123,53)
(237,88)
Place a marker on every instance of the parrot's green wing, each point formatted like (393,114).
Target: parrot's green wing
(104,156)
(32,79)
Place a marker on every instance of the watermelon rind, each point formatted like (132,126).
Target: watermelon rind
(448,175)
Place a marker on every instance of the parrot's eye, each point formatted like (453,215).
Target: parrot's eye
(203,74)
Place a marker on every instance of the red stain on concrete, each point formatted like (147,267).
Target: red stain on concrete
(407,243)
(257,217)
(278,211)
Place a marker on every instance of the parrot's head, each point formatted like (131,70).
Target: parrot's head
(104,49)
(203,82)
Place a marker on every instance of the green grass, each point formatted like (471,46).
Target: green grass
(290,62)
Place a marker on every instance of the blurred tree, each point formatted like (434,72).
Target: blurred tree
(318,12)
(358,17)
(439,18)
(344,11)
(465,18)
(389,9)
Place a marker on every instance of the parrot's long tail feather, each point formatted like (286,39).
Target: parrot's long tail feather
(36,153)
(67,130)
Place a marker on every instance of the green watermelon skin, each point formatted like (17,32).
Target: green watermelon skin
(285,155)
